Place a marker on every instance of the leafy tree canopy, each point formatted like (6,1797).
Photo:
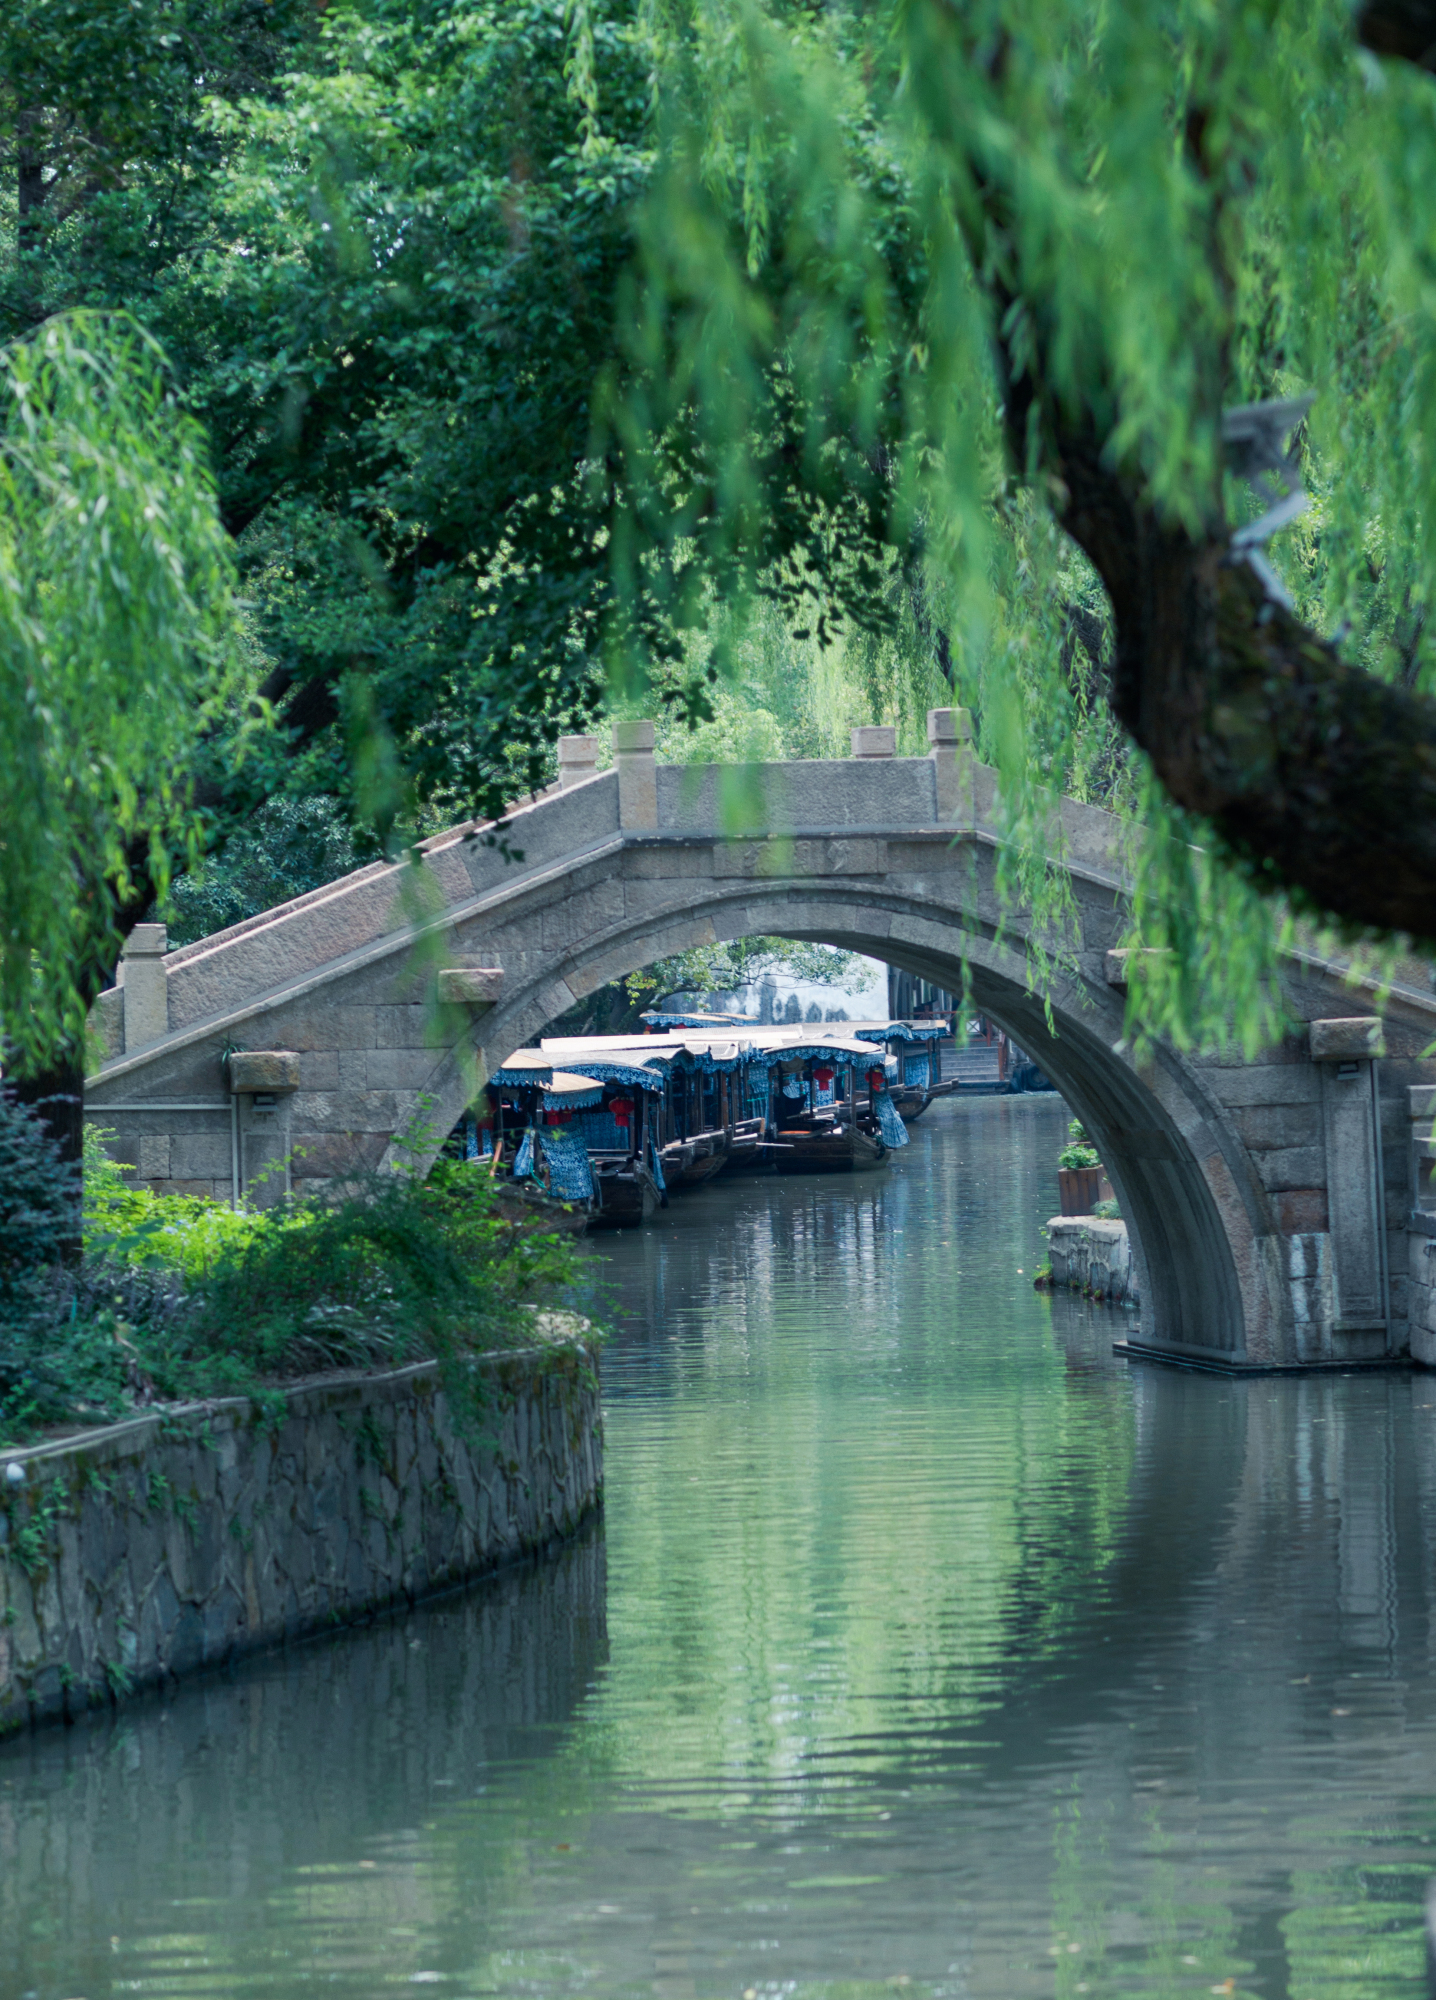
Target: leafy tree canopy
(547,353)
(953,301)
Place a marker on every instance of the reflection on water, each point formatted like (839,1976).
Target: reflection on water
(937,1651)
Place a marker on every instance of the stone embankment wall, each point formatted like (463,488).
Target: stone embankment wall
(178,1540)
(1091,1255)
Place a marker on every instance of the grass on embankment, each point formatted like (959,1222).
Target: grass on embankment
(179,1299)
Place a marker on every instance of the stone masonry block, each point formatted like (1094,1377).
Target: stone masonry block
(371,1109)
(564,925)
(1353,1038)
(1301,1211)
(470,986)
(341,1025)
(1288,1168)
(1267,1127)
(194,1155)
(353,1068)
(1268,1083)
(332,1155)
(666,864)
(401,1027)
(319,1069)
(401,1069)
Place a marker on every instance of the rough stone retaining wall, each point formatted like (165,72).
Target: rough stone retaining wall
(1091,1255)
(147,1549)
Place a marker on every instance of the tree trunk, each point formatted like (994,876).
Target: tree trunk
(57,1095)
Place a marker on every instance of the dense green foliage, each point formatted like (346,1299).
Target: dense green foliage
(555,355)
(889,254)
(179,1298)
(37,1191)
(383,266)
(288,847)
(117,651)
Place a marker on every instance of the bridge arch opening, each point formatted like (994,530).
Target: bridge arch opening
(1163,1147)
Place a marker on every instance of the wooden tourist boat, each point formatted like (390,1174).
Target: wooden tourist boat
(520,1128)
(819,1093)
(616,1130)
(619,1137)
(691,1117)
(916,1047)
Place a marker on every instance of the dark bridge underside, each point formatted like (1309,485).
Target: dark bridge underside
(1191,1297)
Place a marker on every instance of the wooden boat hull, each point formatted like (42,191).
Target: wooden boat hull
(688,1163)
(804,1150)
(627,1199)
(533,1210)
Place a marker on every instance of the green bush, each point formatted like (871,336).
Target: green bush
(1079,1150)
(179,1298)
(175,1232)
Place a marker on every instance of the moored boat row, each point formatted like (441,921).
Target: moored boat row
(615,1126)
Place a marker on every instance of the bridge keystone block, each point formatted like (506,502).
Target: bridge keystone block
(471,985)
(1354,1040)
(267,1072)
(637,777)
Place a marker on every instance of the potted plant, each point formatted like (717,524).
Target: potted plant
(1081,1183)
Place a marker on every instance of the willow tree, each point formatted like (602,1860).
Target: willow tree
(117,664)
(928,288)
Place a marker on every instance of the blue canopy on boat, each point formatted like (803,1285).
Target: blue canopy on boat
(637,1074)
(903,1031)
(658,1020)
(800,1052)
(562,1093)
(562,1089)
(705,1062)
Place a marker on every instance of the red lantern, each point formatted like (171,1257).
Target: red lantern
(622,1109)
(876,1079)
(823,1076)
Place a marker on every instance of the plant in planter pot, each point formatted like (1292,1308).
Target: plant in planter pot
(1080,1180)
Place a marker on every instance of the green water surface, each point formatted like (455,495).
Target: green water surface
(924,1647)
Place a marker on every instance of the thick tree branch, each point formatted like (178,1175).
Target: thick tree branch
(1405,28)
(1321,775)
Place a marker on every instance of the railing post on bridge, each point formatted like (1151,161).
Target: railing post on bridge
(146,995)
(949,731)
(637,776)
(577,759)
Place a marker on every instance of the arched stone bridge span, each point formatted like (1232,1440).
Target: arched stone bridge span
(1270,1204)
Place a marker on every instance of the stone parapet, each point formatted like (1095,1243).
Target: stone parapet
(140,1552)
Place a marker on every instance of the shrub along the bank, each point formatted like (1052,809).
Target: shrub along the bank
(176,1298)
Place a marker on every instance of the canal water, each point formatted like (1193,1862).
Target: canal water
(925,1648)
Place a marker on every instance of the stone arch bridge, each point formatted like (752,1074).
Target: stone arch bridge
(1277,1209)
